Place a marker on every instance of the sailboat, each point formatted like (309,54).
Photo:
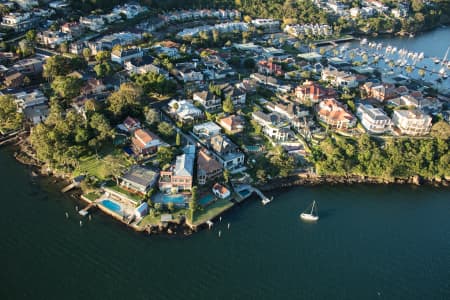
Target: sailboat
(310,214)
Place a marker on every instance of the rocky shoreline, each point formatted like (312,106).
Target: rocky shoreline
(24,154)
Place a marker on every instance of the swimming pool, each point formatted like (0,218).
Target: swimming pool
(175,199)
(206,200)
(244,193)
(113,206)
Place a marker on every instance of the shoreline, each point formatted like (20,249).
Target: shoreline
(23,153)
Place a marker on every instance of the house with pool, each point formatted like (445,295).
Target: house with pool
(179,176)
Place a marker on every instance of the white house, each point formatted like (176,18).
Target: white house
(412,122)
(374,119)
(123,55)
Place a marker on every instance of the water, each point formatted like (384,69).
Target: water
(434,44)
(372,242)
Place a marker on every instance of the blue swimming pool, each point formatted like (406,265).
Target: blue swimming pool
(244,193)
(111,205)
(175,199)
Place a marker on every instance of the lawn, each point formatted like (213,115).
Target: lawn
(212,211)
(98,166)
(112,186)
(155,220)
(92,196)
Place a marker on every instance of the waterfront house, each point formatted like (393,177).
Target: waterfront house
(311,91)
(139,179)
(141,210)
(208,168)
(221,191)
(232,124)
(123,55)
(36,114)
(412,122)
(226,152)
(374,119)
(210,101)
(184,110)
(334,114)
(206,130)
(145,142)
(179,176)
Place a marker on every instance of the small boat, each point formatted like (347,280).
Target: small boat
(363,42)
(411,35)
(436,60)
(310,214)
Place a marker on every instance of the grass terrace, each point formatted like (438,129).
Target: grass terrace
(133,197)
(92,196)
(211,211)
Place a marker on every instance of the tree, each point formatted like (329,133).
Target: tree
(226,175)
(178,139)
(261,175)
(87,53)
(166,129)
(441,130)
(101,127)
(249,63)
(171,207)
(227,105)
(152,116)
(67,86)
(10,119)
(104,69)
(165,156)
(31,35)
(126,101)
(59,65)
(193,204)
(64,47)
(103,56)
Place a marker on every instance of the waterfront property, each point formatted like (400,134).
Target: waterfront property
(145,142)
(139,179)
(227,153)
(208,168)
(334,114)
(179,177)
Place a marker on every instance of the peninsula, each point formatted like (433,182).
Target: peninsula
(165,115)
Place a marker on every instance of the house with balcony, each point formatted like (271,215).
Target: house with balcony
(226,152)
(184,110)
(274,125)
(144,65)
(412,122)
(381,92)
(206,130)
(179,176)
(269,68)
(92,86)
(93,23)
(187,72)
(28,66)
(373,119)
(25,99)
(339,78)
(53,39)
(311,91)
(334,114)
(210,101)
(73,28)
(208,168)
(121,56)
(20,22)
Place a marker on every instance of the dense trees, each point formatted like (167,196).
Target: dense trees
(155,83)
(61,65)
(395,158)
(126,101)
(10,119)
(67,87)
(60,141)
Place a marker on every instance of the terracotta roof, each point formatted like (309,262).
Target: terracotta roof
(143,137)
(206,162)
(220,188)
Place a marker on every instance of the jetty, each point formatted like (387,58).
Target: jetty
(334,42)
(85,210)
(69,187)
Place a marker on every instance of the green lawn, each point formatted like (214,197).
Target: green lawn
(131,196)
(92,196)
(98,166)
(155,220)
(211,211)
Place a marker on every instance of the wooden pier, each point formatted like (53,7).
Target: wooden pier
(85,210)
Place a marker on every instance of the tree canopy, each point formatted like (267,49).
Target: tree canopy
(10,119)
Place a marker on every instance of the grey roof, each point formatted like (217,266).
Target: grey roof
(184,165)
(140,176)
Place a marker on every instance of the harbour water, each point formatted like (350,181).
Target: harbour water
(371,242)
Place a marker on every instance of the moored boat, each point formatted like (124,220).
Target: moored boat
(310,214)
